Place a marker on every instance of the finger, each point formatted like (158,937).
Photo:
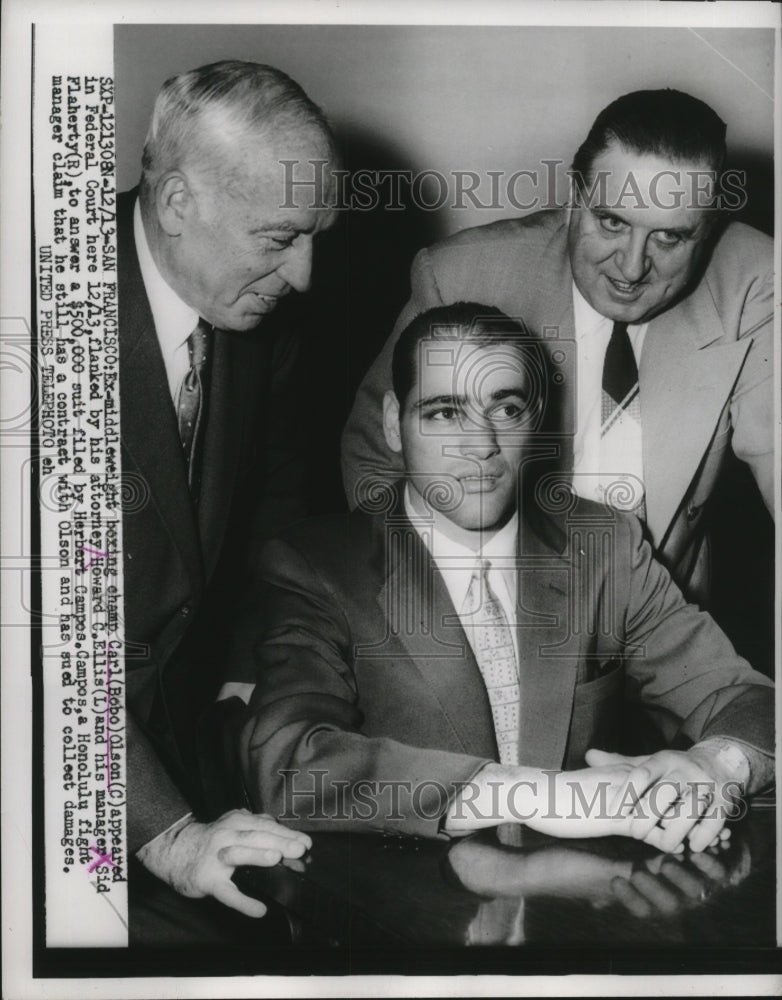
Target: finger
(228,894)
(722,838)
(234,820)
(650,810)
(629,793)
(236,855)
(655,839)
(686,820)
(654,865)
(295,865)
(709,866)
(603,758)
(682,879)
(706,830)
(288,847)
(741,866)
(662,899)
(664,802)
(630,898)
(641,778)
(270,823)
(241,819)
(265,823)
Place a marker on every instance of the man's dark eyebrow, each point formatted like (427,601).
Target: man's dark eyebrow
(454,401)
(459,402)
(504,393)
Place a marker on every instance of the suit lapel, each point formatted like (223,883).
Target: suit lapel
(416,604)
(550,314)
(420,614)
(682,385)
(548,653)
(228,399)
(148,421)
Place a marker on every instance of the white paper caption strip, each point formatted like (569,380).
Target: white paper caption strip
(81,488)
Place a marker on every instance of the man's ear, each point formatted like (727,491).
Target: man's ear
(173,201)
(391,421)
(572,193)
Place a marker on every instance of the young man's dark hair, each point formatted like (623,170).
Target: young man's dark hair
(472,322)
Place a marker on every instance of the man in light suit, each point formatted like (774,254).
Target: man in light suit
(429,668)
(209,244)
(642,253)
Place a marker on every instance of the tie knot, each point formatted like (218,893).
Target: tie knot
(199,344)
(482,567)
(620,370)
(479,582)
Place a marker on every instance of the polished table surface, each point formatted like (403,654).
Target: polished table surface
(374,890)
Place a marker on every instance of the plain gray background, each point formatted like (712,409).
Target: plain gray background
(467,98)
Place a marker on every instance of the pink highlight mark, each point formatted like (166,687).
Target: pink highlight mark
(110,653)
(101,859)
(92,552)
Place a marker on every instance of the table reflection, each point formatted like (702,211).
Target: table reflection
(659,886)
(527,889)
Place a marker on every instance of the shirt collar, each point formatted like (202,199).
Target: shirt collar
(174,319)
(448,541)
(587,320)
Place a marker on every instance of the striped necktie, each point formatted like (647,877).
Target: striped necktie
(492,642)
(192,403)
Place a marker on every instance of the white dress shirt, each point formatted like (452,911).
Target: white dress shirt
(456,552)
(174,319)
(594,463)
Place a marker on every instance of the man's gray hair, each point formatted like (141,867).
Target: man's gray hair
(228,100)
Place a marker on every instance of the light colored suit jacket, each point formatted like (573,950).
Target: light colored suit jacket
(365,673)
(706,373)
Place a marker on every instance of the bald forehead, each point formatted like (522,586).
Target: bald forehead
(292,167)
(241,144)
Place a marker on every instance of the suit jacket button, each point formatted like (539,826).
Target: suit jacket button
(184,610)
(692,511)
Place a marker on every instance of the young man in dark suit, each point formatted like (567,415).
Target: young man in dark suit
(432,667)
(209,245)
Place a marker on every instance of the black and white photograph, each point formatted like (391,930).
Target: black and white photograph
(390,458)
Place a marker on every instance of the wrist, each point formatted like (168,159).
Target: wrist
(724,761)
(496,794)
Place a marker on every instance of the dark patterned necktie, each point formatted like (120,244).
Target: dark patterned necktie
(192,403)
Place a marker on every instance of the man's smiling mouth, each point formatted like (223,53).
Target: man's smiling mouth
(626,287)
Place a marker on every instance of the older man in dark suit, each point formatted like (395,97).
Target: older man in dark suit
(208,247)
(431,667)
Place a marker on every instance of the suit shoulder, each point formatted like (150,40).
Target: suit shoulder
(553,522)
(534,230)
(742,248)
(332,540)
